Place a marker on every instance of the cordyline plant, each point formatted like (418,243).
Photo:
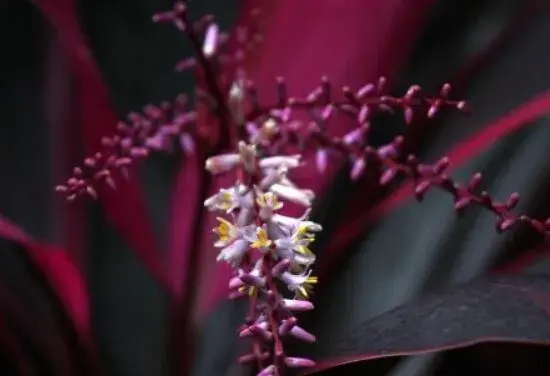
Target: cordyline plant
(262,143)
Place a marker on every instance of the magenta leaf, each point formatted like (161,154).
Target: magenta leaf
(44,300)
(125,210)
(504,309)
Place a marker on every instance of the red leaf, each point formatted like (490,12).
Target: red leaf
(126,211)
(63,279)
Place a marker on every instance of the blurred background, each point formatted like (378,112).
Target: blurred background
(494,52)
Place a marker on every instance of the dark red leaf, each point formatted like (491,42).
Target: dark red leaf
(126,210)
(63,281)
(504,309)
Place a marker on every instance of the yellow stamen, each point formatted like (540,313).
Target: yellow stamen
(223,229)
(303,249)
(269,199)
(306,289)
(262,241)
(226,201)
(249,290)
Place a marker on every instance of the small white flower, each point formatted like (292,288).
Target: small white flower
(272,176)
(299,283)
(291,161)
(299,196)
(233,253)
(228,200)
(258,238)
(268,203)
(227,233)
(247,154)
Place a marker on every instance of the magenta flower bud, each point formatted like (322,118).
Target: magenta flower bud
(235,283)
(156,142)
(365,91)
(408,114)
(281,267)
(363,114)
(512,201)
(321,160)
(474,182)
(299,362)
(505,225)
(187,143)
(185,64)
(462,203)
(287,324)
(267,371)
(302,334)
(387,176)
(260,328)
(327,112)
(358,168)
(221,163)
(421,189)
(251,128)
(211,40)
(387,151)
(353,136)
(297,305)
(433,110)
(236,295)
(253,280)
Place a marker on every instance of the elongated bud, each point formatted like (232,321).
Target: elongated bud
(281,267)
(302,334)
(287,325)
(297,305)
(211,40)
(221,163)
(293,362)
(267,371)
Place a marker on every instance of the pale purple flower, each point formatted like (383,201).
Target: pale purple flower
(298,196)
(234,252)
(299,362)
(211,40)
(297,305)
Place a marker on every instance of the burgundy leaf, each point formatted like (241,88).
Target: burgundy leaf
(503,309)
(125,210)
(56,270)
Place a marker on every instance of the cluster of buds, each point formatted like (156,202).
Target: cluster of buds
(264,246)
(156,128)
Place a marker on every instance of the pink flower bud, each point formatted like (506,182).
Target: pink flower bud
(287,324)
(267,371)
(211,40)
(187,143)
(358,168)
(298,362)
(301,334)
(321,160)
(281,267)
(221,163)
(297,305)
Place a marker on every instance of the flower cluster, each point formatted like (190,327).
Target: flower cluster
(264,246)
